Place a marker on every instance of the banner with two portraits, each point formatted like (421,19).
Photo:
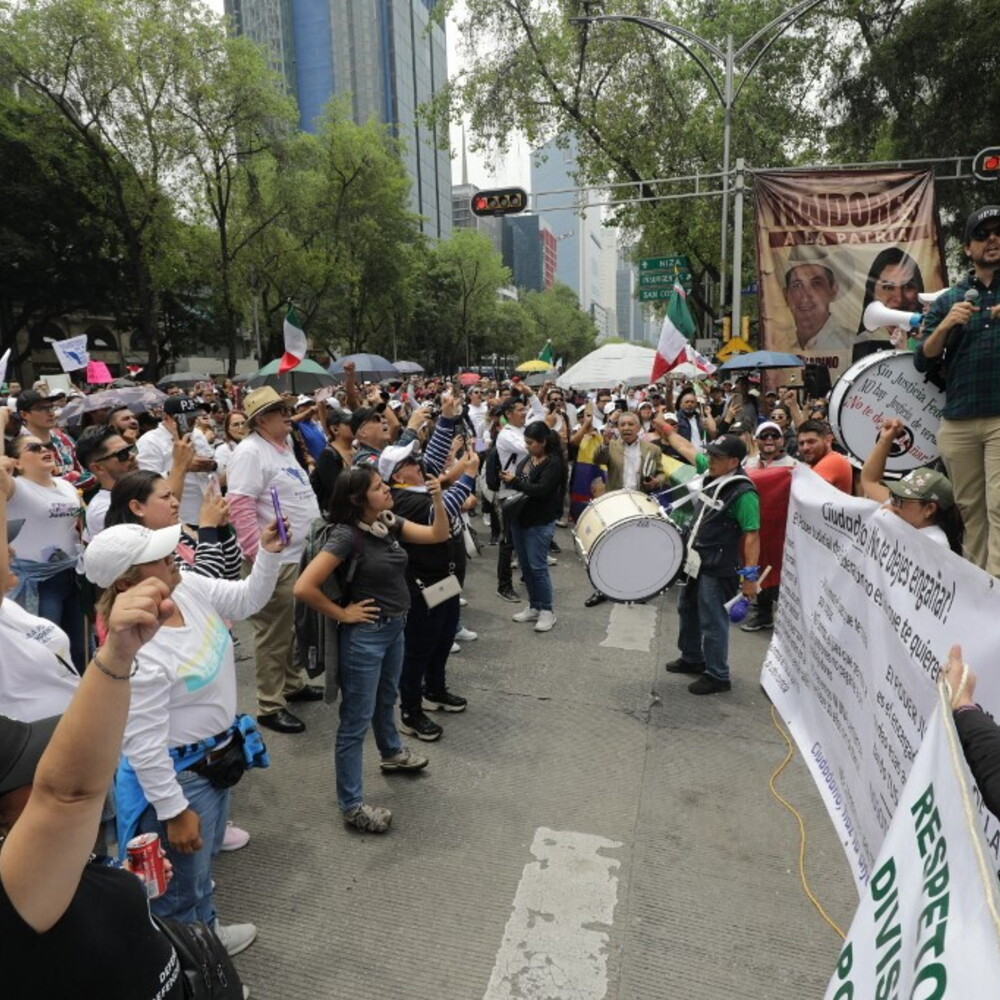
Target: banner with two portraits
(829,243)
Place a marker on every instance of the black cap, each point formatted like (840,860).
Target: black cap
(31,397)
(335,415)
(728,446)
(978,217)
(361,416)
(182,404)
(21,747)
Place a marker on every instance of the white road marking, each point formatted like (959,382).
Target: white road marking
(554,947)
(632,626)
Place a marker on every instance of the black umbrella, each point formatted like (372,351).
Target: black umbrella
(367,368)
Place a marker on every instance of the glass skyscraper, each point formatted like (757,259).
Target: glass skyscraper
(386,56)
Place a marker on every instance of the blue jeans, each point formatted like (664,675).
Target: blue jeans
(532,547)
(704,632)
(189,895)
(371,658)
(59,602)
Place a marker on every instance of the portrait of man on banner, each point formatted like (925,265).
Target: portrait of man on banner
(829,243)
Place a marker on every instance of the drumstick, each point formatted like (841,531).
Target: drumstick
(763,577)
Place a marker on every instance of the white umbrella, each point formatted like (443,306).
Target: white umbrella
(610,365)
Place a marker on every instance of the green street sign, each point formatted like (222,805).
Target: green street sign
(678,263)
(659,279)
(654,294)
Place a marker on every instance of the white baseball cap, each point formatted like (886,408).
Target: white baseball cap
(116,550)
(767,425)
(391,458)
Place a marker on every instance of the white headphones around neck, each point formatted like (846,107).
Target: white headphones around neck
(379,528)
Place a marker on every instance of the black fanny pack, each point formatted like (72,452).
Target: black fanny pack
(224,767)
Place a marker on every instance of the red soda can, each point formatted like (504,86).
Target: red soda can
(144,854)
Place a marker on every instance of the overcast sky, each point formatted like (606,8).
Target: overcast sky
(483,171)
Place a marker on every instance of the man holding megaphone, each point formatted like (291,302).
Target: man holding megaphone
(960,343)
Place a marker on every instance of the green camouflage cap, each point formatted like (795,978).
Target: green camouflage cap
(924,484)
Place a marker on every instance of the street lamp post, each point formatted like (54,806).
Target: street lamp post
(727,89)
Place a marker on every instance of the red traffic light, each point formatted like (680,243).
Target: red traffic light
(504,201)
(986,164)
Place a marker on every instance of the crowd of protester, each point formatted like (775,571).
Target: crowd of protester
(138,537)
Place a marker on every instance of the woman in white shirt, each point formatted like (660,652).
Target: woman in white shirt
(37,679)
(49,539)
(184,744)
(234,430)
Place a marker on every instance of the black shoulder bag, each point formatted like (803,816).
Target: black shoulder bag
(207,971)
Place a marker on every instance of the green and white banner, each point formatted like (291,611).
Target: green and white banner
(928,924)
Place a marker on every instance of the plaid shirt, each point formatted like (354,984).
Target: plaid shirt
(973,362)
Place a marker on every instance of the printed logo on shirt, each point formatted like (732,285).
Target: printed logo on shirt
(297,473)
(204,665)
(64,509)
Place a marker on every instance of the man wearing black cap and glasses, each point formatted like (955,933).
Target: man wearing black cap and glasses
(960,334)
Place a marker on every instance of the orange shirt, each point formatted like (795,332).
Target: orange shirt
(836,470)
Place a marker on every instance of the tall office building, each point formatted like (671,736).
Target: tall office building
(386,56)
(586,248)
(529,250)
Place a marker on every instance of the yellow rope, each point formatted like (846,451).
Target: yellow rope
(802,827)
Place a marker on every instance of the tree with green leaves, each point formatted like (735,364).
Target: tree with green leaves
(636,105)
(555,315)
(109,67)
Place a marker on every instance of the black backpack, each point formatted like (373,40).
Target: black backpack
(491,469)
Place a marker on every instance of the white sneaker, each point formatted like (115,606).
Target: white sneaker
(546,619)
(527,615)
(466,635)
(486,520)
(552,561)
(562,523)
(235,838)
(235,937)
(456,648)
(463,603)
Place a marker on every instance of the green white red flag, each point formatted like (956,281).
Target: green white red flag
(678,328)
(295,342)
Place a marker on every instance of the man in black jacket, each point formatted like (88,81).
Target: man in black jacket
(723,549)
(430,631)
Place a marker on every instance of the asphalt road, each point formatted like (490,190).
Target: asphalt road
(586,830)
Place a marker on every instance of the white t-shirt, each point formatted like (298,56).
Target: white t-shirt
(33,683)
(223,453)
(50,519)
(156,454)
(97,511)
(255,466)
(185,687)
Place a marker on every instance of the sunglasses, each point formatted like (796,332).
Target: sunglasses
(123,454)
(36,447)
(985,232)
(768,435)
(42,408)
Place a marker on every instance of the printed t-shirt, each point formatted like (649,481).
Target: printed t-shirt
(105,945)
(255,466)
(50,517)
(34,683)
(380,573)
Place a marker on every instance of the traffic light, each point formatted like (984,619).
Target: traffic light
(986,164)
(504,201)
(727,328)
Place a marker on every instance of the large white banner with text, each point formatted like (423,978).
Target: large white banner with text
(928,924)
(869,608)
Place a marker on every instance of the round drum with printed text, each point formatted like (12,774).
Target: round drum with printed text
(875,388)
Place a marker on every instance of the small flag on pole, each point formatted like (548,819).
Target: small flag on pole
(678,327)
(72,353)
(3,365)
(295,342)
(545,354)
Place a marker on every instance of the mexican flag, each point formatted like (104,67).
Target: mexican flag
(545,354)
(678,328)
(295,342)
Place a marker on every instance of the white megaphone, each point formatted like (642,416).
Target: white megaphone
(877,315)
